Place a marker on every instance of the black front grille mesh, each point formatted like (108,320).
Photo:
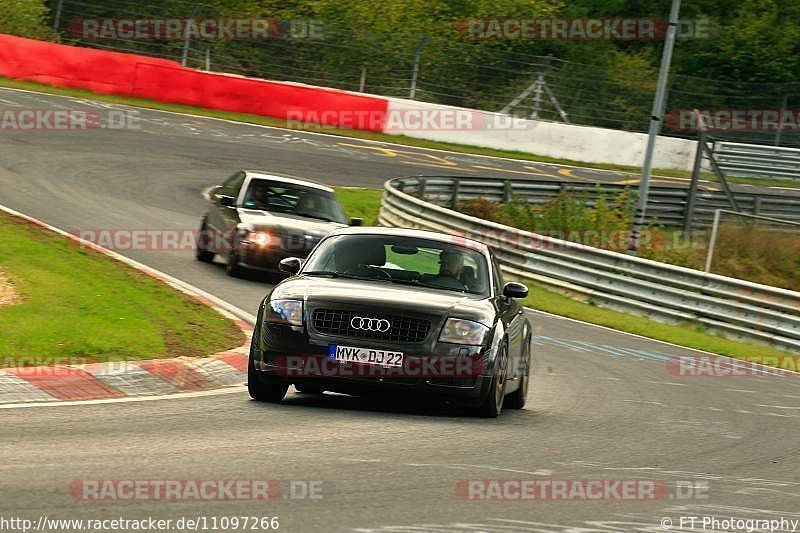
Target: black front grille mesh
(338,322)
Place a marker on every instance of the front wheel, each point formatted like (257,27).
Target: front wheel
(258,390)
(202,253)
(232,267)
(493,403)
(516,400)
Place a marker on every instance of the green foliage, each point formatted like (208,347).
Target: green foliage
(604,222)
(26,18)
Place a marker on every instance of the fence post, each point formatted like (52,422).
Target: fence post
(187,36)
(57,18)
(363,81)
(692,193)
(415,72)
(713,240)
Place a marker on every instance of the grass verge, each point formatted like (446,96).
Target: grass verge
(358,134)
(361,203)
(78,302)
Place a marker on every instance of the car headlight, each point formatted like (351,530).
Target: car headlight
(459,331)
(261,239)
(286,312)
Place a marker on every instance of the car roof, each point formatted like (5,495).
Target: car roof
(294,181)
(414,233)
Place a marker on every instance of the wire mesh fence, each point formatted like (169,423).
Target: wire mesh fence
(486,75)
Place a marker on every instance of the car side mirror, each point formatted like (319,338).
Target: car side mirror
(356,221)
(512,289)
(290,265)
(227,201)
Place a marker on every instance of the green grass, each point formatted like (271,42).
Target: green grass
(361,203)
(78,302)
(358,134)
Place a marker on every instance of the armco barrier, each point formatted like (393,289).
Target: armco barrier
(166,81)
(736,308)
(666,204)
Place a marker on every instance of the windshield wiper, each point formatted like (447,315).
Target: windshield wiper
(428,286)
(328,273)
(337,274)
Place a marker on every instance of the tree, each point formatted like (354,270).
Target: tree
(26,18)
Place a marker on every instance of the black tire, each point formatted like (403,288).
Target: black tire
(202,254)
(516,400)
(308,389)
(258,390)
(232,267)
(493,403)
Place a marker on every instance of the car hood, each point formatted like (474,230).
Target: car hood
(257,220)
(386,297)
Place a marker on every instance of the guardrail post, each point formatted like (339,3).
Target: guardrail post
(454,198)
(508,191)
(421,187)
(757,205)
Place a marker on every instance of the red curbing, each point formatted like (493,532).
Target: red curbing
(67,383)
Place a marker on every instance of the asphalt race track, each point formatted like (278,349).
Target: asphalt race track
(603,405)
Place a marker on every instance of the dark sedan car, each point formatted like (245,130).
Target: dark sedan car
(394,310)
(256,219)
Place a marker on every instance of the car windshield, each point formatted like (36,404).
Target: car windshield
(403,260)
(281,197)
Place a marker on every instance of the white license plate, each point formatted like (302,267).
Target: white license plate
(367,356)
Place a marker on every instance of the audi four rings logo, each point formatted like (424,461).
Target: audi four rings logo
(381,325)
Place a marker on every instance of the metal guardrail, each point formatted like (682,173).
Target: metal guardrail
(758,160)
(666,205)
(736,308)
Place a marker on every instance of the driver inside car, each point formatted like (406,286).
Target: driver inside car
(256,197)
(451,271)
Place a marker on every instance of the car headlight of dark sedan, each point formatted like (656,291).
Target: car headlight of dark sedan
(460,331)
(285,312)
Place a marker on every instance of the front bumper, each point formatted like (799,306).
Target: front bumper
(266,259)
(294,355)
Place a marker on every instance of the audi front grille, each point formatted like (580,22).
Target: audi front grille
(367,325)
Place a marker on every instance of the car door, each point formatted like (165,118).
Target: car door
(222,219)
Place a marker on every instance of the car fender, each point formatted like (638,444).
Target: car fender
(498,337)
